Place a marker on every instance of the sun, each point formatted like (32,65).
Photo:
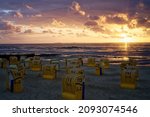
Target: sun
(126,39)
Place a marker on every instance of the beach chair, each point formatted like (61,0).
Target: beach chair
(1,62)
(36,58)
(75,61)
(5,63)
(9,69)
(80,61)
(105,63)
(14,82)
(63,63)
(46,61)
(13,60)
(49,72)
(22,59)
(130,64)
(99,70)
(21,69)
(36,65)
(128,78)
(72,64)
(73,87)
(28,63)
(56,63)
(75,71)
(91,62)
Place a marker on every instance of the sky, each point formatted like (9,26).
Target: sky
(74,21)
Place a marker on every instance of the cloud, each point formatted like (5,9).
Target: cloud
(57,23)
(48,31)
(140,6)
(45,31)
(28,31)
(102,19)
(91,24)
(29,7)
(94,17)
(82,34)
(37,15)
(144,22)
(132,23)
(139,22)
(18,14)
(14,13)
(1,37)
(9,26)
(125,19)
(6,11)
(97,17)
(119,18)
(77,8)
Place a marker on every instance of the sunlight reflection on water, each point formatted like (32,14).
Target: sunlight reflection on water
(126,46)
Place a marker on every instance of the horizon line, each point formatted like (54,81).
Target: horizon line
(67,43)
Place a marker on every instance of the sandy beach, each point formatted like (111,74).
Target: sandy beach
(106,87)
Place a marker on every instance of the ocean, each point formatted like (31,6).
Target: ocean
(115,52)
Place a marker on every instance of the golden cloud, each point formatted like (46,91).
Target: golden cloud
(57,23)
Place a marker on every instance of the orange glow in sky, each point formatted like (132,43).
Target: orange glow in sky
(74,22)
